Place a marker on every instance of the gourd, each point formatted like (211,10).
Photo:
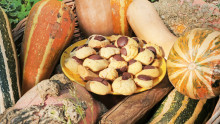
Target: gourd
(49,29)
(55,100)
(193,64)
(179,109)
(147,25)
(105,17)
(119,19)
(9,67)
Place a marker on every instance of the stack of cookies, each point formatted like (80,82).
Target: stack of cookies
(118,64)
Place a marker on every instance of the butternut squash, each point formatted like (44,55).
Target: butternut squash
(147,25)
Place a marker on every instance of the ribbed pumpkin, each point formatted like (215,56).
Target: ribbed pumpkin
(193,64)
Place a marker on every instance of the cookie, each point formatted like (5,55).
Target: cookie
(97,41)
(139,41)
(124,41)
(72,64)
(113,38)
(118,63)
(145,56)
(157,50)
(95,63)
(134,67)
(144,81)
(86,74)
(156,62)
(108,51)
(124,84)
(108,74)
(129,52)
(73,52)
(84,51)
(98,86)
(149,70)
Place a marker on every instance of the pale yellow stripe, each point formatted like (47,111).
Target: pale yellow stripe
(35,21)
(173,64)
(180,52)
(122,16)
(190,88)
(166,107)
(47,51)
(2,106)
(190,44)
(207,70)
(205,44)
(196,112)
(177,73)
(179,83)
(14,52)
(7,69)
(184,105)
(212,58)
(205,82)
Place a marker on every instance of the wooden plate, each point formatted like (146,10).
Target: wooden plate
(76,78)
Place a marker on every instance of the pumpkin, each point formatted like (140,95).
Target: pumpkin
(193,64)
(105,17)
(49,29)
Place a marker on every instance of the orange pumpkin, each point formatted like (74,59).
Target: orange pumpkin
(105,17)
(193,64)
(50,27)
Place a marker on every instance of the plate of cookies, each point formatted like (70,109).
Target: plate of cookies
(118,65)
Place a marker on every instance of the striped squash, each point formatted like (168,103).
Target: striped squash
(179,109)
(193,64)
(119,18)
(50,27)
(9,69)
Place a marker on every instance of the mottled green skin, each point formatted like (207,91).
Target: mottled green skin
(186,113)
(11,60)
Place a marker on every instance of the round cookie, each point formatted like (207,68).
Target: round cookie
(108,51)
(144,81)
(97,41)
(134,67)
(150,71)
(108,74)
(95,63)
(98,86)
(72,64)
(118,63)
(129,52)
(124,41)
(158,51)
(113,38)
(84,51)
(124,85)
(145,56)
